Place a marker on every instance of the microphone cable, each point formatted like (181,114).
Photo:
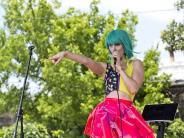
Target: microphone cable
(117,89)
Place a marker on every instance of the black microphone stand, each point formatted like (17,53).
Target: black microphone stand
(118,79)
(20,110)
(161,129)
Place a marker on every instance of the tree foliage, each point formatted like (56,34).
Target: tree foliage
(154,84)
(173,35)
(32,130)
(69,91)
(180,5)
(66,92)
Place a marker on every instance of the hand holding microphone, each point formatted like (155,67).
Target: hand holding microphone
(116,57)
(116,60)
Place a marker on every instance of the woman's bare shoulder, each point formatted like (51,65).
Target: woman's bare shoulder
(137,62)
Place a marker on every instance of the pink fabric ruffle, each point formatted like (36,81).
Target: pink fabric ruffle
(105,121)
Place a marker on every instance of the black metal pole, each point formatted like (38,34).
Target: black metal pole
(20,109)
(117,90)
(161,129)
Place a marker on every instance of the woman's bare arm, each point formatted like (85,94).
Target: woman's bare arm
(96,67)
(134,83)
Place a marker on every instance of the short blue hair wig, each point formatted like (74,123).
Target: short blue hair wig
(121,37)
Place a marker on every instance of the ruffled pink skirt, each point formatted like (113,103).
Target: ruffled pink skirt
(105,121)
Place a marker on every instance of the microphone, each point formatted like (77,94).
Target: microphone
(31,47)
(115,59)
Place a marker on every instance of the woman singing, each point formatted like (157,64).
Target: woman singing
(116,116)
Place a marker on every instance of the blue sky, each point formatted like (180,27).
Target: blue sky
(153,15)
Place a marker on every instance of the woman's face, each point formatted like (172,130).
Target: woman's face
(117,49)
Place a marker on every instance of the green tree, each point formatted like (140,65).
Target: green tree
(180,4)
(68,91)
(153,92)
(154,84)
(173,36)
(176,129)
(32,130)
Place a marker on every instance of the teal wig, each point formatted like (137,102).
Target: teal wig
(121,37)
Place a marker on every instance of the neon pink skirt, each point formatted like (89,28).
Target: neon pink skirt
(105,121)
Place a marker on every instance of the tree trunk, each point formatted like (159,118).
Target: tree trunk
(171,54)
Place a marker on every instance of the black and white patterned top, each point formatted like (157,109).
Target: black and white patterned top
(111,80)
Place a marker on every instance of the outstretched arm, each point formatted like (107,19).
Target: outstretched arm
(96,67)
